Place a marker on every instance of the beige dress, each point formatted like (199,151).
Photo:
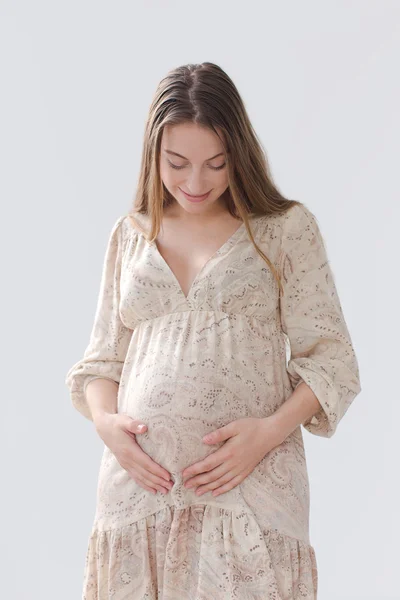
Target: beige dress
(189,365)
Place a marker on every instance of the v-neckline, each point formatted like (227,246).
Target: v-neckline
(228,242)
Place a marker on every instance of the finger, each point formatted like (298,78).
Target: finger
(221,434)
(146,487)
(216,483)
(147,484)
(210,462)
(133,425)
(154,479)
(138,457)
(204,478)
(136,425)
(228,486)
(143,460)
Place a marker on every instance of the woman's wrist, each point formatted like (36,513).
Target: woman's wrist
(301,405)
(101,418)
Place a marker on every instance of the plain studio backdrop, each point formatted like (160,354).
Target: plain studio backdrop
(320,81)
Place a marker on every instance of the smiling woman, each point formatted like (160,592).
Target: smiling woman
(199,178)
(203,284)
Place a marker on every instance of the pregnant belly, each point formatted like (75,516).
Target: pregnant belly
(187,375)
(178,414)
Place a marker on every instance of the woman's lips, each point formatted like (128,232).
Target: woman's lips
(195,198)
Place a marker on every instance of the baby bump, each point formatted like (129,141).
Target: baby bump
(178,414)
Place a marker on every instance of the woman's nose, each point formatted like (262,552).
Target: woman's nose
(195,183)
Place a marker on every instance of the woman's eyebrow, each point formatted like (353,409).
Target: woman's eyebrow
(180,155)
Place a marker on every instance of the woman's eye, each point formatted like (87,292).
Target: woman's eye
(183,166)
(175,166)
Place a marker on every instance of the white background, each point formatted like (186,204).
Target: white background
(320,81)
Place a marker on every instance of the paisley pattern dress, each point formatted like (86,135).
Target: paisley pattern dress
(233,347)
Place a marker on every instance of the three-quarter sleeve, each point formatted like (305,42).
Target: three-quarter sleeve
(321,350)
(109,339)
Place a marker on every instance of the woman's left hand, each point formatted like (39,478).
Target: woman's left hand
(248,440)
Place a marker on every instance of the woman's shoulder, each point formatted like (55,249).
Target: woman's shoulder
(299,215)
(128,226)
(295,218)
(276,232)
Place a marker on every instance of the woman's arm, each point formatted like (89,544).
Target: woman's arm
(101,397)
(322,353)
(301,405)
(109,341)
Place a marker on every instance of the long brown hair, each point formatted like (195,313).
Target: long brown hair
(205,95)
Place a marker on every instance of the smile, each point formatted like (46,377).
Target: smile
(195,198)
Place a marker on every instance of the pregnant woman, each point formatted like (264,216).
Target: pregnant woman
(207,282)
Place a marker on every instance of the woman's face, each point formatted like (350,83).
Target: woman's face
(192,160)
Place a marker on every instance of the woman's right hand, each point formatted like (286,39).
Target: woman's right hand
(118,432)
